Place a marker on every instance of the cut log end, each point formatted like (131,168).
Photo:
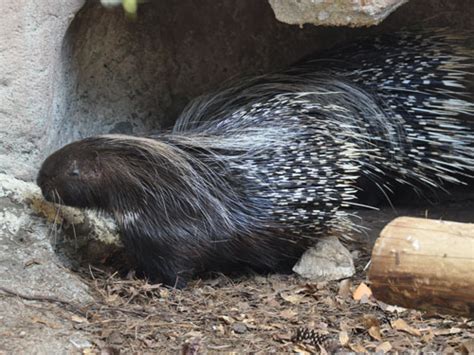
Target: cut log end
(425,264)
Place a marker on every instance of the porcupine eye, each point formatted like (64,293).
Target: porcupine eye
(74,172)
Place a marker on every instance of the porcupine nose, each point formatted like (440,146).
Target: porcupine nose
(43,181)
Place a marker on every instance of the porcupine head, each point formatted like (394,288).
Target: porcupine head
(134,179)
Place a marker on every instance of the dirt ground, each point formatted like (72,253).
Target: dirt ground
(275,313)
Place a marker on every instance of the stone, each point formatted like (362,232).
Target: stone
(355,13)
(30,63)
(73,68)
(239,327)
(328,260)
(30,266)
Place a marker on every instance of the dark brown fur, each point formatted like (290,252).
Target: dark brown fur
(179,214)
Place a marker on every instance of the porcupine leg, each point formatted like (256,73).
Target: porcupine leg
(157,262)
(158,270)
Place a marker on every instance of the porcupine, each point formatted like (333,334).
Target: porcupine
(254,173)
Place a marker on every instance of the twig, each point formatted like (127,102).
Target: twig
(43,298)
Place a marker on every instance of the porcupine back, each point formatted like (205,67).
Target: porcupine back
(405,103)
(425,84)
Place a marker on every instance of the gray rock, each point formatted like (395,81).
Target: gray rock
(328,260)
(239,327)
(334,13)
(29,266)
(73,68)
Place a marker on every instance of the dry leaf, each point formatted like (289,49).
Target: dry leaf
(283,337)
(78,319)
(330,302)
(272,303)
(374,332)
(164,293)
(345,288)
(288,314)
(293,299)
(219,329)
(370,321)
(383,347)
(400,324)
(300,350)
(447,331)
(362,291)
(343,338)
(227,320)
(358,348)
(428,337)
(449,350)
(468,346)
(45,322)
(271,327)
(193,334)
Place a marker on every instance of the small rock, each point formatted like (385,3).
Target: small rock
(327,261)
(80,343)
(355,254)
(239,328)
(115,338)
(345,288)
(334,13)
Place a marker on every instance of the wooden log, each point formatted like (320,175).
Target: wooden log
(425,264)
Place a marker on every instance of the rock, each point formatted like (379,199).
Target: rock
(29,266)
(239,327)
(334,13)
(31,63)
(78,69)
(328,260)
(89,236)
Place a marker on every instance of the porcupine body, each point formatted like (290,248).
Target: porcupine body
(253,174)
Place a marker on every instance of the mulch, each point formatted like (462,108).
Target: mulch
(276,313)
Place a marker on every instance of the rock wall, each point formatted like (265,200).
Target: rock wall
(32,34)
(71,69)
(354,13)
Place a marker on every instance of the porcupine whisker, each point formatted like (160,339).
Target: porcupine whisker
(53,227)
